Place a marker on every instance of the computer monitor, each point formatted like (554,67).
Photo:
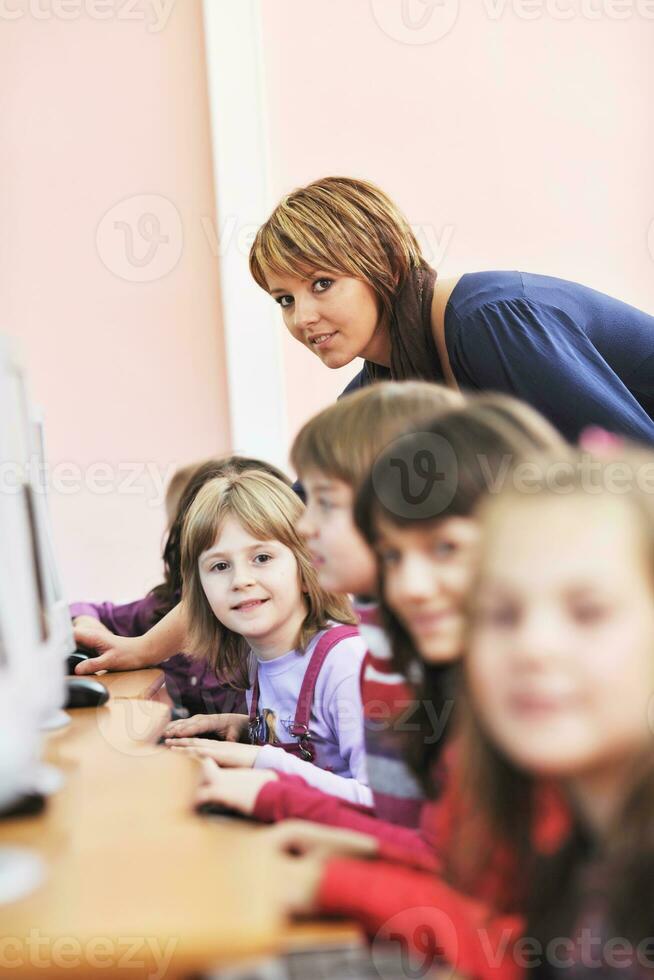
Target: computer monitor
(26,599)
(60,621)
(23,623)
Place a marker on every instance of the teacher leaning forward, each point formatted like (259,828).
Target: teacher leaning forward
(346,269)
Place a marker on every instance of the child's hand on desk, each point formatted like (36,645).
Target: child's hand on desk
(228,754)
(230,727)
(237,789)
(301,879)
(114,652)
(305,839)
(88,622)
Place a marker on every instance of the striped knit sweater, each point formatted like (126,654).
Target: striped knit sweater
(387,711)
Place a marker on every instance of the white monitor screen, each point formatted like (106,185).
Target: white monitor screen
(38,565)
(39,483)
(28,596)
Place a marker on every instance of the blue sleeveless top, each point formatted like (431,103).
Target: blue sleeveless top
(581,358)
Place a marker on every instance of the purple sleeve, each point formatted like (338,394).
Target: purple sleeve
(130,619)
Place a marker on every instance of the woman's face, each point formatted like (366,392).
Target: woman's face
(426,571)
(336,316)
(561,654)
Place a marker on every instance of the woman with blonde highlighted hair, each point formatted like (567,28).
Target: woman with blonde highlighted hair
(342,261)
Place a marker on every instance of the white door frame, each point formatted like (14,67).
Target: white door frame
(234,54)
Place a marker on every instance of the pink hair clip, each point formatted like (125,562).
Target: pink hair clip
(598,440)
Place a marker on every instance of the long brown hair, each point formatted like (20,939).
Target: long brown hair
(502,801)
(268,509)
(477,442)
(184,486)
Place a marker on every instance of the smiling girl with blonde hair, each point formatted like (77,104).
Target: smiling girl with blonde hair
(256,611)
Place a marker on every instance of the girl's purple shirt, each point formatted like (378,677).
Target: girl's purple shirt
(191,683)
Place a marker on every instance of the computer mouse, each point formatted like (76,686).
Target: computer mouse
(85,692)
(81,654)
(74,659)
(219,810)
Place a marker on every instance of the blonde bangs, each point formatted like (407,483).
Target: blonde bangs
(261,503)
(297,241)
(338,225)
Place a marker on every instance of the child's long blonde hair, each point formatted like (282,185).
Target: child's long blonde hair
(268,510)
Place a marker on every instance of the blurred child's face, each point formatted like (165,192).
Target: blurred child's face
(427,572)
(253,587)
(561,659)
(343,560)
(335,316)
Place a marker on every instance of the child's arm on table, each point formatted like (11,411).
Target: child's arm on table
(433,921)
(132,653)
(272,797)
(278,760)
(230,727)
(127,619)
(293,798)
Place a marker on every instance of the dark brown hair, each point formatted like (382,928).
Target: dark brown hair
(477,442)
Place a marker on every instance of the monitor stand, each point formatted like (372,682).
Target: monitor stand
(45,779)
(21,872)
(55,721)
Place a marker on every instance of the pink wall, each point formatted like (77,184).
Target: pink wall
(129,372)
(509,141)
(514,143)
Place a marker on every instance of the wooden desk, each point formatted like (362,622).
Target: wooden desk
(143,684)
(134,877)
